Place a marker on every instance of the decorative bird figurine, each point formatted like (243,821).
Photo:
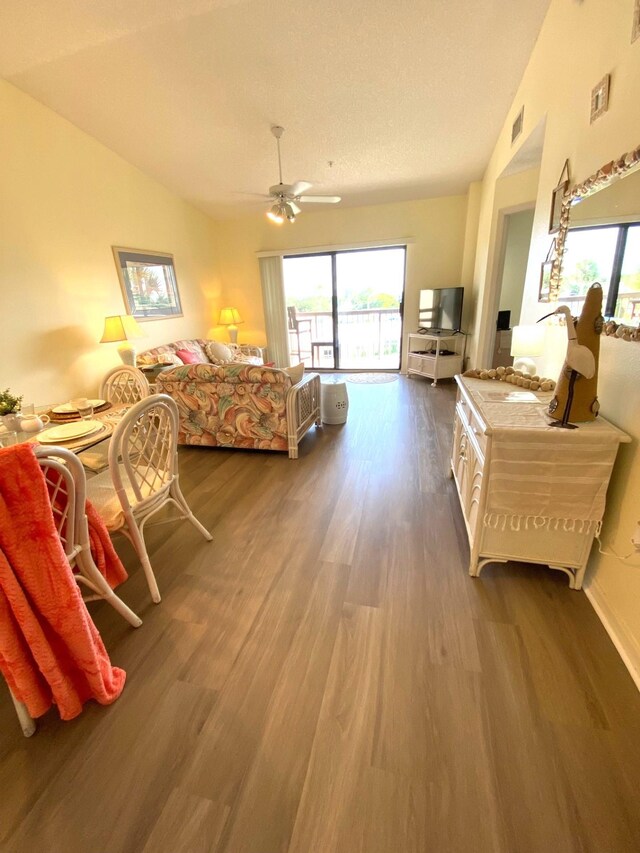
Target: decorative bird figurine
(581,363)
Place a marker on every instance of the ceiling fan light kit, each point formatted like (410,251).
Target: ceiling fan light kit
(275,214)
(287,196)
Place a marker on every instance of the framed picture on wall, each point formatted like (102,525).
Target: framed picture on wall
(544,292)
(600,98)
(148,283)
(546,271)
(557,197)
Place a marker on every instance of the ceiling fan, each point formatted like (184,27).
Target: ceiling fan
(287,196)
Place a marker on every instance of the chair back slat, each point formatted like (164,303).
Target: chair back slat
(61,489)
(66,484)
(143,449)
(124,385)
(292,318)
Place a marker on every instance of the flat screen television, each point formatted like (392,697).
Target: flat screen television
(441,309)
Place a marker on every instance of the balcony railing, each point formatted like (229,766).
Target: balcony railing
(628,305)
(368,338)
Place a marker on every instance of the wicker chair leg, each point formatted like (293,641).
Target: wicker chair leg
(27,723)
(179,498)
(137,540)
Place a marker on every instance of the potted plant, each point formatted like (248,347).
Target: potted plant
(9,408)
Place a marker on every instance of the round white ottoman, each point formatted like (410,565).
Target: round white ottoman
(334,401)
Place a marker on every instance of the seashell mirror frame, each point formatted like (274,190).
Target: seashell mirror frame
(598,181)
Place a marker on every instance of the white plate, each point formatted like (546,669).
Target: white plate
(67,408)
(68,432)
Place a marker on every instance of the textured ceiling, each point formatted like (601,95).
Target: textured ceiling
(406,98)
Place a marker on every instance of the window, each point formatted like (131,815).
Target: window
(609,254)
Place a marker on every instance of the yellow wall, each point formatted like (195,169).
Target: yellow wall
(434,259)
(558,89)
(65,199)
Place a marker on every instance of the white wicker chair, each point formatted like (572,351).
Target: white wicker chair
(66,485)
(121,385)
(142,476)
(124,384)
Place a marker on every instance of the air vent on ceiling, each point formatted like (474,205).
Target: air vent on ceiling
(516,128)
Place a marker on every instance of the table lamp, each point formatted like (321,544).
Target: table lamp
(230,317)
(122,327)
(527,341)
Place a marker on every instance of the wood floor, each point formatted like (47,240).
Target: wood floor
(324,676)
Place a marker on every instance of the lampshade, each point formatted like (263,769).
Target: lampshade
(230,317)
(275,214)
(527,341)
(282,210)
(120,328)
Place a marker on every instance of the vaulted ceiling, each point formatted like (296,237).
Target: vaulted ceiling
(405,98)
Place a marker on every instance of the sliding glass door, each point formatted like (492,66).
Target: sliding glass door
(370,285)
(345,308)
(308,287)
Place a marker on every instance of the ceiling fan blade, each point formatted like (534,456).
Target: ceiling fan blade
(299,187)
(319,199)
(255,196)
(294,207)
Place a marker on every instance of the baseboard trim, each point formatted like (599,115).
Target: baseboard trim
(622,639)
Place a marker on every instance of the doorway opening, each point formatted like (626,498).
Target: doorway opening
(516,189)
(517,231)
(344,308)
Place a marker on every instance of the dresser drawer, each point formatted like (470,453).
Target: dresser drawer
(471,421)
(463,408)
(477,430)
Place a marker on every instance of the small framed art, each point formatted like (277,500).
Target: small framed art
(546,272)
(557,197)
(148,283)
(635,29)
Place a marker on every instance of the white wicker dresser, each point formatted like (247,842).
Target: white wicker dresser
(528,492)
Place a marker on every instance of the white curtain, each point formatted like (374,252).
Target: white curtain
(275,309)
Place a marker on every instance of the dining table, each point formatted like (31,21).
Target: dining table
(66,433)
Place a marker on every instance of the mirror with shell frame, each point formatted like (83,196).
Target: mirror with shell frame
(599,240)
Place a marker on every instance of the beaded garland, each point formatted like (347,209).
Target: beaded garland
(514,377)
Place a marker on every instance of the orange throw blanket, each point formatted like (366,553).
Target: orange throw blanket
(102,550)
(50,650)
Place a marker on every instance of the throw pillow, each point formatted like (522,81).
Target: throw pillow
(187,357)
(218,353)
(296,372)
(248,359)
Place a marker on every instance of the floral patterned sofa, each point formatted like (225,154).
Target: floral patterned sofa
(237,404)
(167,352)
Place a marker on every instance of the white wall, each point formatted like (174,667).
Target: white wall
(510,194)
(516,255)
(579,43)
